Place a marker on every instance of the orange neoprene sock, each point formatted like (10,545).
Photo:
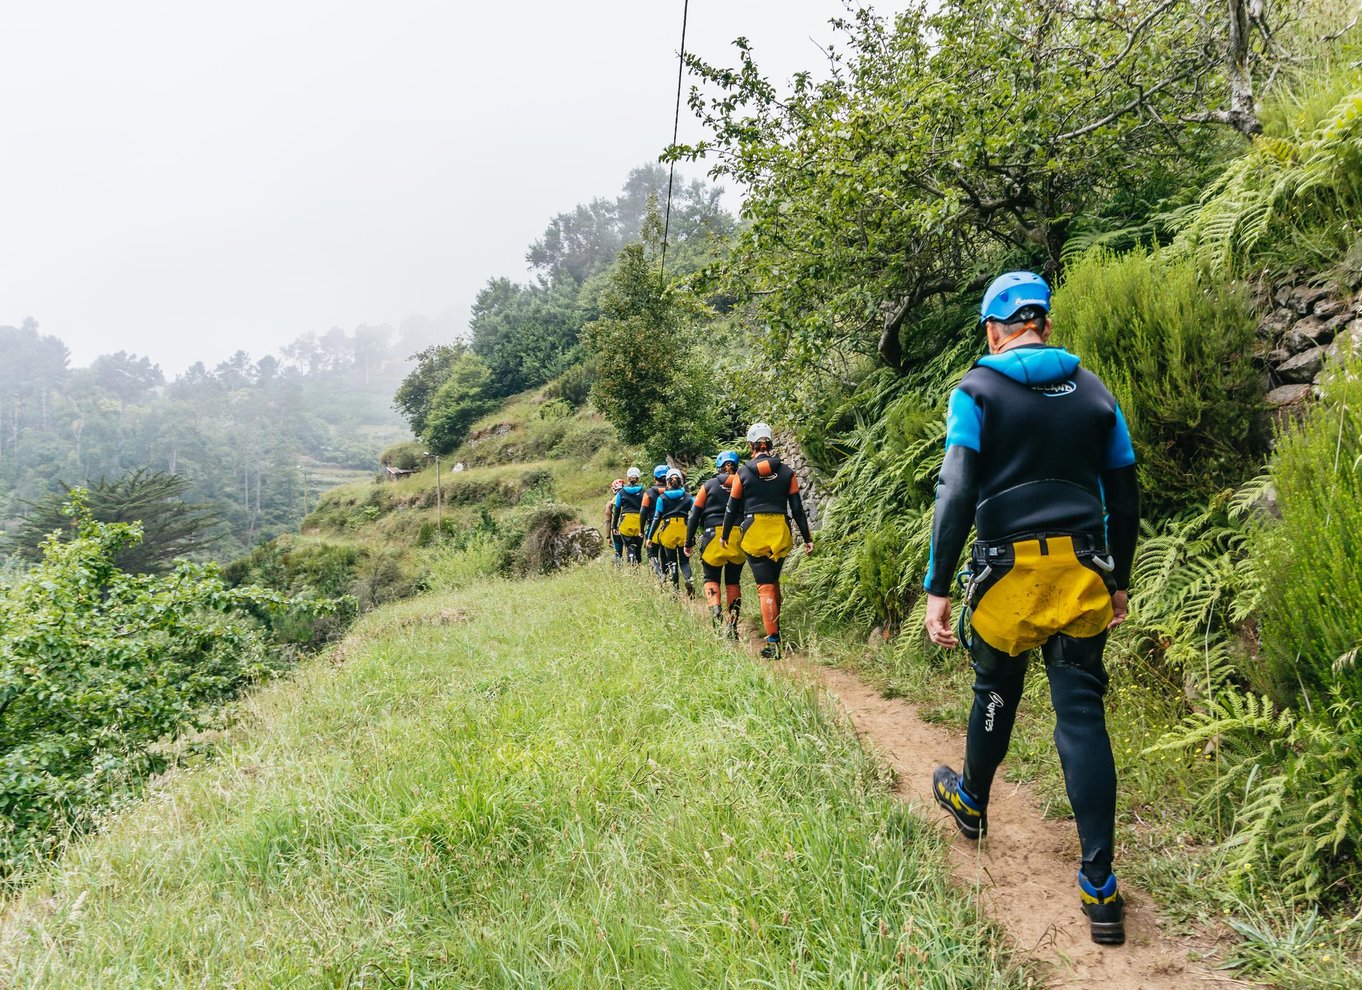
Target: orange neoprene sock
(712,592)
(770,607)
(734,592)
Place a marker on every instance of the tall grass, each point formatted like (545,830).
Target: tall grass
(565,782)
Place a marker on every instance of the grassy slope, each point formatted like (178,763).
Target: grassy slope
(563,782)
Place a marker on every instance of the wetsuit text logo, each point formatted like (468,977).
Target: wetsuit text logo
(1058,388)
(995,701)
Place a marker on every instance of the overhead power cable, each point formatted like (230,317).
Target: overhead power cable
(676,128)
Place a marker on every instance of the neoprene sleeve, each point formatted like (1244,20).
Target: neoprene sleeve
(1121,488)
(731,517)
(801,518)
(957,494)
(693,522)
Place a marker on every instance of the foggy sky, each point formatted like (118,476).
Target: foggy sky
(183,179)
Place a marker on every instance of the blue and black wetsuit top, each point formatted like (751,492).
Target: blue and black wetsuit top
(1035,445)
(673,503)
(627,499)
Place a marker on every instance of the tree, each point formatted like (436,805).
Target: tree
(944,144)
(463,398)
(649,381)
(415,394)
(526,334)
(171,527)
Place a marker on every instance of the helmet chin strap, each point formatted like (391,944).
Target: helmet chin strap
(1028,326)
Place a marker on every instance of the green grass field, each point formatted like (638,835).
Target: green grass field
(564,782)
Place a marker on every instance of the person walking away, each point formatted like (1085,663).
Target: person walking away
(1039,460)
(650,498)
(718,563)
(628,516)
(668,530)
(616,540)
(764,494)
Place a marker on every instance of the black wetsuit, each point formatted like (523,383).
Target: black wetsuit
(707,514)
(630,500)
(650,498)
(1036,447)
(765,485)
(671,504)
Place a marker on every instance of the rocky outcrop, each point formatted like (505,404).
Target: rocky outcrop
(787,447)
(1304,324)
(575,545)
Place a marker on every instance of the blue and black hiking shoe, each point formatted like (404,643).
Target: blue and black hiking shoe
(771,651)
(1105,909)
(970,816)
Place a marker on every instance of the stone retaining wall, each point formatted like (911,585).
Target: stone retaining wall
(1302,327)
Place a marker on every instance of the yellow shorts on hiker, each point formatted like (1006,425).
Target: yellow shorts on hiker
(631,524)
(767,534)
(1043,589)
(672,533)
(713,552)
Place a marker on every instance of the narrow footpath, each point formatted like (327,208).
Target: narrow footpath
(1023,872)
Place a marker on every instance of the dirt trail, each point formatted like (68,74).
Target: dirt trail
(1024,872)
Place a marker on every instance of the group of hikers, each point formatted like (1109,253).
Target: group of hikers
(1039,464)
(740,515)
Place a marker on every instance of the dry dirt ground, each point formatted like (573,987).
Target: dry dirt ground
(1024,871)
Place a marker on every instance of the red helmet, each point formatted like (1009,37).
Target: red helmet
(617,484)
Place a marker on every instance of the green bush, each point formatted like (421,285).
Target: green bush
(1177,353)
(99,667)
(408,456)
(1312,600)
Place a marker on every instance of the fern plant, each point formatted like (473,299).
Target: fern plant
(1291,202)
(1291,785)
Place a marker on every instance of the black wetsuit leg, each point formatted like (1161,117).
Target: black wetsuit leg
(1078,684)
(619,546)
(765,570)
(998,683)
(633,548)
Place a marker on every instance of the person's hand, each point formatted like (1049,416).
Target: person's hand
(939,622)
(808,548)
(723,544)
(647,544)
(1120,608)
(689,548)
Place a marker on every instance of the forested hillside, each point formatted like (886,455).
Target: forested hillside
(254,440)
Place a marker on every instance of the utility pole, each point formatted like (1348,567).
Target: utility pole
(439,501)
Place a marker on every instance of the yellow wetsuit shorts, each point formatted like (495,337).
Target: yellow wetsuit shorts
(631,524)
(671,533)
(767,534)
(1037,589)
(713,552)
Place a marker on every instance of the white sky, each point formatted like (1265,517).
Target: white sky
(183,179)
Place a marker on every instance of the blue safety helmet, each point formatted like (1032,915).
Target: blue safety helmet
(1008,294)
(726,457)
(660,472)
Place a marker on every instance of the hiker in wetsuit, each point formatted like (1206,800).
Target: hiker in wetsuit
(627,520)
(667,530)
(650,498)
(720,564)
(763,495)
(615,538)
(1039,461)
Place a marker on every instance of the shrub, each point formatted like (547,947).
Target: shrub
(408,456)
(1178,356)
(100,666)
(1312,601)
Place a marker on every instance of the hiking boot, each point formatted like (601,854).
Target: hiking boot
(1105,909)
(716,614)
(771,651)
(970,816)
